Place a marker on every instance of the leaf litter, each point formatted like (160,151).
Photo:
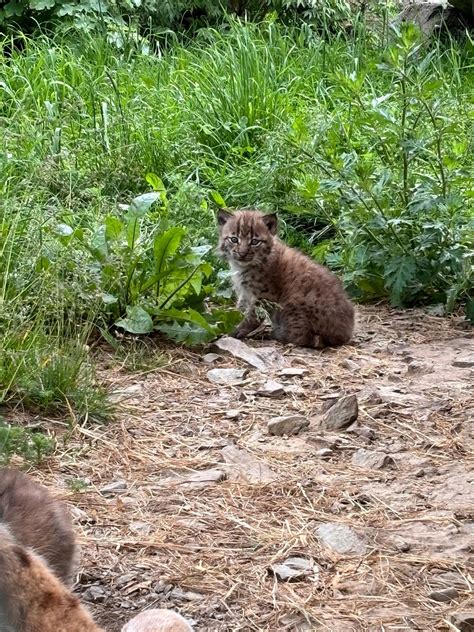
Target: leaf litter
(213,520)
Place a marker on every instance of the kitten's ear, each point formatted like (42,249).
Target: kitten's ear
(223,217)
(271,222)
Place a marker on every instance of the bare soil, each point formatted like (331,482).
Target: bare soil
(205,546)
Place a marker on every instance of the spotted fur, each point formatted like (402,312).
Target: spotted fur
(311,308)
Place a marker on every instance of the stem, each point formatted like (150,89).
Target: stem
(180,286)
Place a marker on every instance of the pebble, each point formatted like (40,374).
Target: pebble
(94,594)
(370,459)
(271,389)
(444,596)
(287,425)
(341,414)
(117,487)
(294,568)
(226,377)
(341,538)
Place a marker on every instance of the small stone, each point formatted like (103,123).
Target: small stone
(226,377)
(271,389)
(293,372)
(464,361)
(262,358)
(341,538)
(370,459)
(117,487)
(185,595)
(243,466)
(210,358)
(341,414)
(94,594)
(287,425)
(140,528)
(324,453)
(464,621)
(120,395)
(350,365)
(444,596)
(294,568)
(363,431)
(80,516)
(234,413)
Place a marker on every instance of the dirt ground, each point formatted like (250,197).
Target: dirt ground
(162,536)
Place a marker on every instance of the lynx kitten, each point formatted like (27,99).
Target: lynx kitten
(311,307)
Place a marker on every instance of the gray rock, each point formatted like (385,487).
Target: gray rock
(120,395)
(233,413)
(94,594)
(464,621)
(294,568)
(432,16)
(464,361)
(287,425)
(117,487)
(263,358)
(243,466)
(210,358)
(371,459)
(341,539)
(350,365)
(293,372)
(341,414)
(185,595)
(444,596)
(226,377)
(271,389)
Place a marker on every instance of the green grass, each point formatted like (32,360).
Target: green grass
(364,147)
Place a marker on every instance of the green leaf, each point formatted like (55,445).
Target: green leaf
(113,228)
(138,321)
(40,5)
(165,245)
(155,182)
(187,333)
(399,272)
(142,203)
(218,199)
(98,244)
(133,232)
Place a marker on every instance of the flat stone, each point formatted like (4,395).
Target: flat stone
(210,358)
(233,413)
(117,487)
(341,539)
(243,466)
(271,389)
(293,372)
(464,361)
(287,425)
(262,358)
(341,414)
(226,377)
(350,365)
(294,568)
(94,594)
(444,596)
(371,459)
(202,478)
(122,394)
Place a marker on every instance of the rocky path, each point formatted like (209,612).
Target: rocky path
(197,498)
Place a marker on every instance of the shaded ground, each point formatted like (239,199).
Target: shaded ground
(205,547)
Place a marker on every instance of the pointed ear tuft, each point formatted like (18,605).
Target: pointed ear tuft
(271,222)
(223,217)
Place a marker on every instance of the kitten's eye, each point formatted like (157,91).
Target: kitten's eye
(234,240)
(255,242)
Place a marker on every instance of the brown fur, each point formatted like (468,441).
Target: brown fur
(32,599)
(38,521)
(311,307)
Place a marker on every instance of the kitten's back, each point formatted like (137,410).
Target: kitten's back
(37,521)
